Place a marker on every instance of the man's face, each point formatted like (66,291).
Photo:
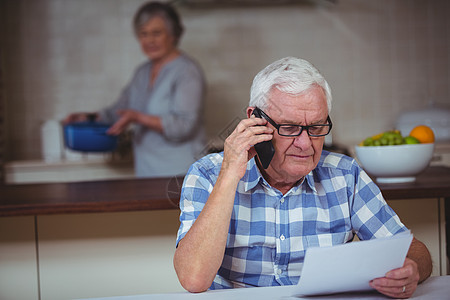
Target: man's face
(295,157)
(155,39)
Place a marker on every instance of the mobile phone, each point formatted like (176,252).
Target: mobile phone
(264,150)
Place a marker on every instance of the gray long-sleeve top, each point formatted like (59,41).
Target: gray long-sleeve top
(177,97)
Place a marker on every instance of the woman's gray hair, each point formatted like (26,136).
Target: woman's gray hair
(159,9)
(289,75)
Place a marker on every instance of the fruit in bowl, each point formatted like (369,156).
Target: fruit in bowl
(394,158)
(421,134)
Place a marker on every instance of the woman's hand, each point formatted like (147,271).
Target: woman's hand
(238,147)
(127,116)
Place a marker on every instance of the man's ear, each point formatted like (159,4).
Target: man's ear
(250,110)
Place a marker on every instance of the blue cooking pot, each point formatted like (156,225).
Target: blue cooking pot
(89,136)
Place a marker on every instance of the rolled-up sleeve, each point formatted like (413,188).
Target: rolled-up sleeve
(186,112)
(197,186)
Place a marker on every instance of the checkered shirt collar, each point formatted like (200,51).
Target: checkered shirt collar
(253,176)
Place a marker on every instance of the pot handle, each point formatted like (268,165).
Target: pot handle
(91,117)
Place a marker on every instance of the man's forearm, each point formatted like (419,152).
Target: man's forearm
(200,253)
(419,253)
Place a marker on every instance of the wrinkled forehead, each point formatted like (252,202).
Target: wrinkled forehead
(314,95)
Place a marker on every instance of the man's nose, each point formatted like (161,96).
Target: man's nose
(303,141)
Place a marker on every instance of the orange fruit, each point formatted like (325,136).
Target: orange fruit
(423,133)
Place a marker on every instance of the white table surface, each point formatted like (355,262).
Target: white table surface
(437,287)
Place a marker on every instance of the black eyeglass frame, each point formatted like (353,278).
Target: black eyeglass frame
(277,126)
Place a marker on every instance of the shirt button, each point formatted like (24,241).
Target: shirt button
(279,271)
(282,200)
(282,237)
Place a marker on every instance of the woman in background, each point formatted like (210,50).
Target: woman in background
(163,101)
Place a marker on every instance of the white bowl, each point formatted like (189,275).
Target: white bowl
(393,164)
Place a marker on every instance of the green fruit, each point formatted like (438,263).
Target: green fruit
(398,140)
(390,137)
(368,142)
(411,140)
(384,141)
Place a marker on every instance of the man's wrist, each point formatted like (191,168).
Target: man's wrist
(229,177)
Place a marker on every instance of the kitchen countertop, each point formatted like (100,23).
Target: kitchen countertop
(159,193)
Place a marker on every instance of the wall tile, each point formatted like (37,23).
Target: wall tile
(380,57)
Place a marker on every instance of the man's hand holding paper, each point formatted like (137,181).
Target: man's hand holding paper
(399,283)
(354,267)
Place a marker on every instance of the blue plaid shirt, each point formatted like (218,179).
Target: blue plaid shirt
(269,232)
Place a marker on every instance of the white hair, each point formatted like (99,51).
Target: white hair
(289,75)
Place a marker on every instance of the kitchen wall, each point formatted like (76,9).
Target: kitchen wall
(380,57)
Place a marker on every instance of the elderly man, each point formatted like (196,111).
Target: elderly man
(244,223)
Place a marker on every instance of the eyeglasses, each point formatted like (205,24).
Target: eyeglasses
(295,130)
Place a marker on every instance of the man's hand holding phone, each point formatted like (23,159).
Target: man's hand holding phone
(238,147)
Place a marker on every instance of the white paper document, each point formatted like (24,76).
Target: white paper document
(350,267)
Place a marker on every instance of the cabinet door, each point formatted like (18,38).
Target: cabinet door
(423,218)
(18,263)
(107,254)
